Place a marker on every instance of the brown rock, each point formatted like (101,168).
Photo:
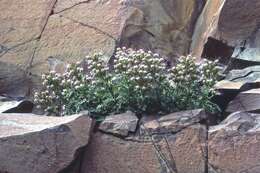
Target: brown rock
(173,122)
(119,124)
(182,152)
(234,23)
(234,145)
(40,144)
(245,101)
(13,81)
(69,30)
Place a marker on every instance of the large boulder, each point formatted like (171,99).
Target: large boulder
(41,144)
(234,145)
(164,151)
(232,24)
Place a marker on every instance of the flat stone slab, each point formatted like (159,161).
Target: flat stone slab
(120,124)
(245,101)
(41,144)
(173,122)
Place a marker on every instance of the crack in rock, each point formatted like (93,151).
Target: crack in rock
(69,8)
(49,14)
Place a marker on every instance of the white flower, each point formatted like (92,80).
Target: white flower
(43,76)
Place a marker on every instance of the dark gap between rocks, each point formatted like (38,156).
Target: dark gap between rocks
(216,49)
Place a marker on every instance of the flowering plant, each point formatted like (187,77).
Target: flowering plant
(138,81)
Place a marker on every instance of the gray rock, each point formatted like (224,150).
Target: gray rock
(41,144)
(249,74)
(234,145)
(245,101)
(173,122)
(120,124)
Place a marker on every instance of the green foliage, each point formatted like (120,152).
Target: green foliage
(138,81)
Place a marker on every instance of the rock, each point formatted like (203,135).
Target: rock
(120,124)
(23,106)
(206,26)
(240,79)
(174,122)
(162,26)
(229,85)
(69,30)
(181,152)
(41,144)
(245,101)
(14,81)
(234,145)
(230,23)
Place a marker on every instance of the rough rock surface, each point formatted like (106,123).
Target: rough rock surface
(234,145)
(233,23)
(13,80)
(182,153)
(13,106)
(119,124)
(181,148)
(32,33)
(40,144)
(245,101)
(174,122)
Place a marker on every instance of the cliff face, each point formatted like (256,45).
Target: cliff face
(31,33)
(234,23)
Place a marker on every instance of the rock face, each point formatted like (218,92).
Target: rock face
(168,152)
(120,124)
(245,101)
(40,144)
(233,23)
(69,30)
(174,122)
(234,145)
(12,106)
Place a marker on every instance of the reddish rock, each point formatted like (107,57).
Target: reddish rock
(41,144)
(234,145)
(182,152)
(245,101)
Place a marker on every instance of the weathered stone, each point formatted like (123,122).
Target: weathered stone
(120,124)
(181,152)
(68,30)
(206,25)
(245,101)
(232,22)
(234,145)
(240,75)
(13,81)
(229,85)
(41,144)
(173,122)
(162,26)
(240,80)
(13,106)
(19,29)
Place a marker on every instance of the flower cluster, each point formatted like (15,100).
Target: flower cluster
(140,67)
(193,83)
(185,71)
(138,81)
